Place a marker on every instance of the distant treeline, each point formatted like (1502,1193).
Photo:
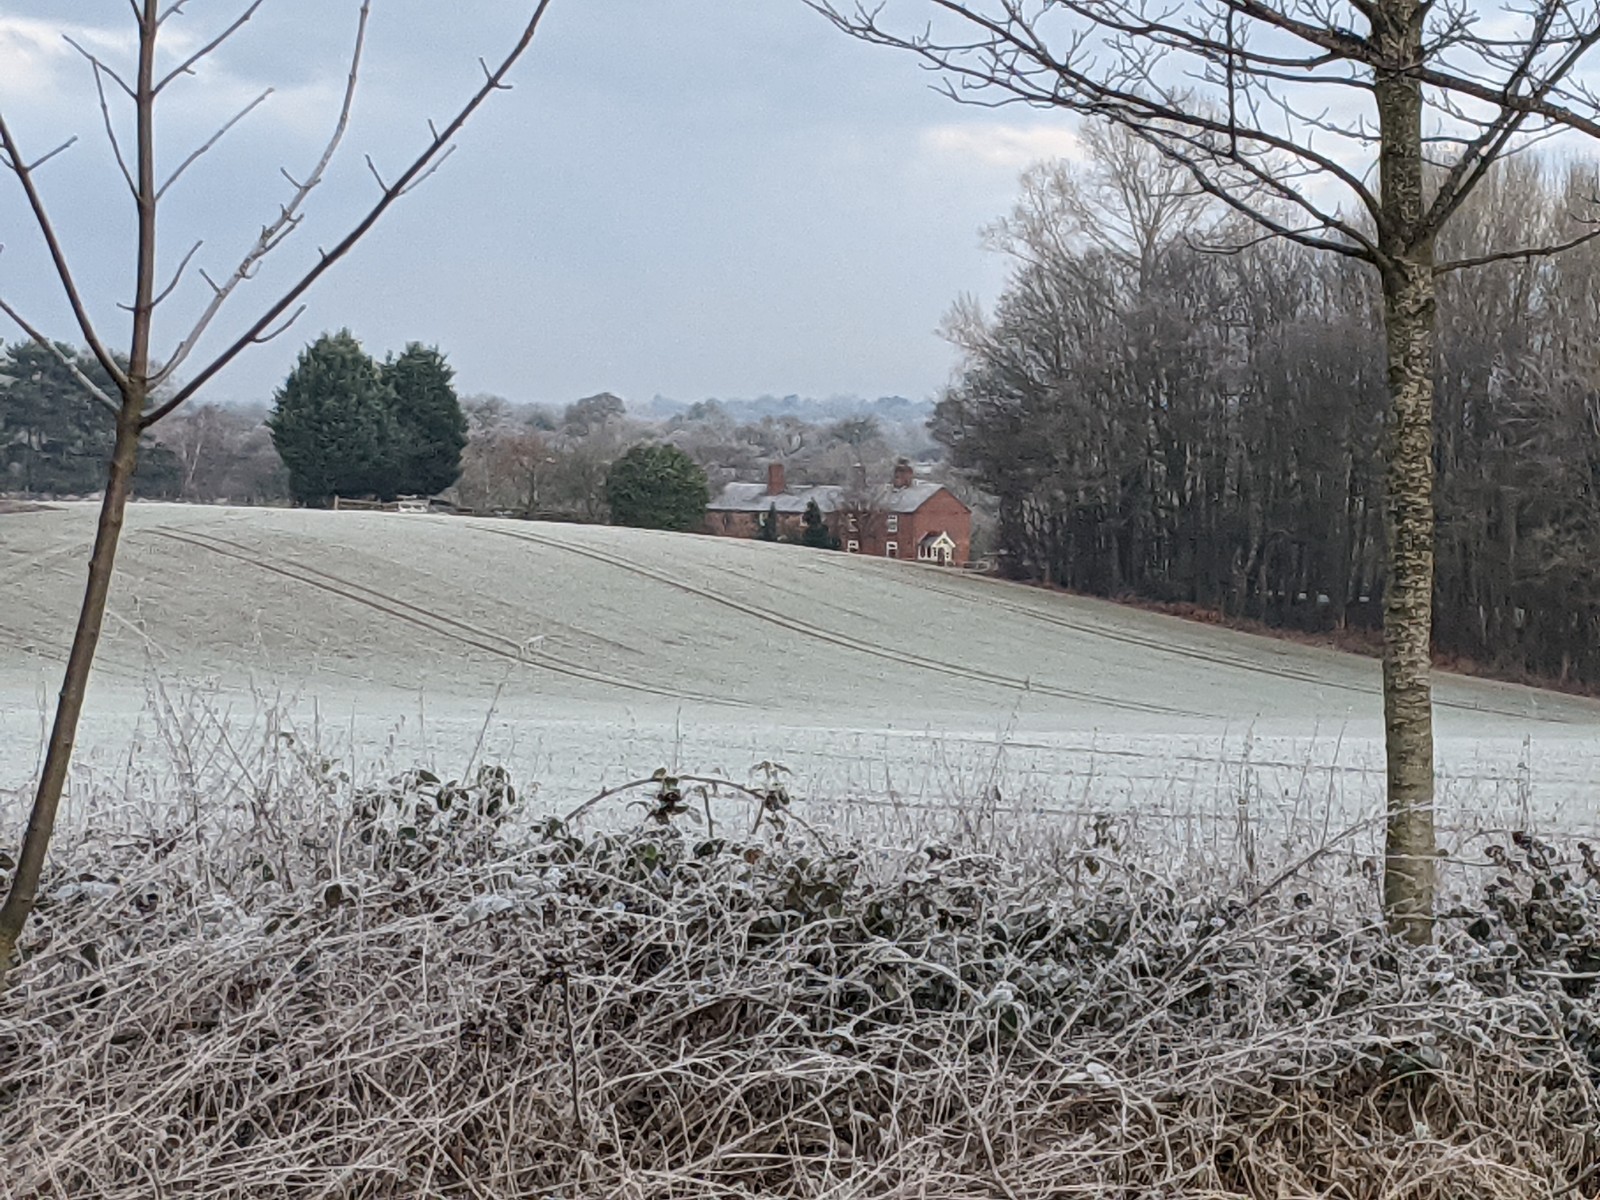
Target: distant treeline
(1162,420)
(891,410)
(523,459)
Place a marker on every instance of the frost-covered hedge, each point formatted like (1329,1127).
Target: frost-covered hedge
(422,993)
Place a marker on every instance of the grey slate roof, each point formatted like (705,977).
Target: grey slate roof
(754,498)
(906,499)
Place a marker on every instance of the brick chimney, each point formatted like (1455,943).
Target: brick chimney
(904,476)
(775,485)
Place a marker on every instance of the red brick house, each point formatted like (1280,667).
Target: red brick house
(910,518)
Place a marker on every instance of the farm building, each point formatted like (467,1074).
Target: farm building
(908,518)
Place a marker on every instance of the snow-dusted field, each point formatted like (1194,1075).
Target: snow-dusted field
(581,657)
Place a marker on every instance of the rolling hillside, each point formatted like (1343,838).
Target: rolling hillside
(573,643)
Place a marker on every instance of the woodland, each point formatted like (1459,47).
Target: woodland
(1164,407)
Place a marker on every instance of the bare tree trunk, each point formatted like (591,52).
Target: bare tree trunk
(1492,91)
(108,532)
(1408,881)
(52,782)
(1410,316)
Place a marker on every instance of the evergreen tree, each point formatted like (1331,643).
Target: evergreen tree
(657,487)
(331,423)
(767,525)
(54,439)
(428,427)
(816,532)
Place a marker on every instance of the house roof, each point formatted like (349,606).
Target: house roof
(907,499)
(754,498)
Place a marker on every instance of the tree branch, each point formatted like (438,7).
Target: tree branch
(288,218)
(1480,156)
(95,391)
(1489,94)
(186,67)
(1522,255)
(105,114)
(263,338)
(1013,58)
(177,276)
(100,64)
(493,82)
(41,215)
(212,141)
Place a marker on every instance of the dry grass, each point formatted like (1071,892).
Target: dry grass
(402,992)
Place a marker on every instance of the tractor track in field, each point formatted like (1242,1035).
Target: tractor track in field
(1235,662)
(42,560)
(24,643)
(436,623)
(1149,643)
(968,674)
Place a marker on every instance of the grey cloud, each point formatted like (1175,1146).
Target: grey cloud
(693,197)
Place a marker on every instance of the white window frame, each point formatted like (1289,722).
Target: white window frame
(894,522)
(891,549)
(852,547)
(854,525)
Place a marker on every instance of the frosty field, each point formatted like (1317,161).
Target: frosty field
(582,657)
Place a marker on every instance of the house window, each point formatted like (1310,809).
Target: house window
(894,522)
(852,547)
(892,549)
(853,525)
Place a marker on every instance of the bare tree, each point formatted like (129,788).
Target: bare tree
(1283,110)
(224,452)
(146,388)
(1127,205)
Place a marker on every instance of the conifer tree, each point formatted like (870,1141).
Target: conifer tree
(767,525)
(816,532)
(331,423)
(657,487)
(428,427)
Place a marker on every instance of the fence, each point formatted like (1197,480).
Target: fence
(403,504)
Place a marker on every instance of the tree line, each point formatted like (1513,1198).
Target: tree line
(532,460)
(1158,420)
(343,423)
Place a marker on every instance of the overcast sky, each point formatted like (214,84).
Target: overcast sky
(685,197)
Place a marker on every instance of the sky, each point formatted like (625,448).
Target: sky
(686,198)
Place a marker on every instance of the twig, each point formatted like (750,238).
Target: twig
(58,258)
(93,389)
(578,1129)
(105,114)
(177,275)
(186,67)
(216,137)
